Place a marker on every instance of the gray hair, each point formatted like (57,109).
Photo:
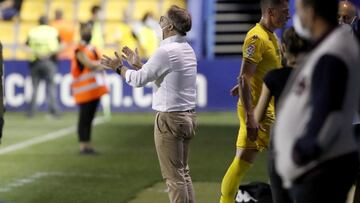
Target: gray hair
(180,18)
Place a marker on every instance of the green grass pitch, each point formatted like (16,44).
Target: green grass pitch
(125,171)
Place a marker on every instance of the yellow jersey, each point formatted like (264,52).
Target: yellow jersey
(261,47)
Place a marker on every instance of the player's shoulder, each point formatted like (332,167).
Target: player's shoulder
(256,33)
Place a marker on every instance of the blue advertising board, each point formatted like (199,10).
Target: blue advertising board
(215,79)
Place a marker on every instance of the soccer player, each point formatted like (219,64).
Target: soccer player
(261,53)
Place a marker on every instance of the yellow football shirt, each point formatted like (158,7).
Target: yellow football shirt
(262,48)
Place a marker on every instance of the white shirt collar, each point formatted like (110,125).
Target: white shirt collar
(175,38)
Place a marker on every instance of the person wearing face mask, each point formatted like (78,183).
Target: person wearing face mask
(173,70)
(348,15)
(88,86)
(314,143)
(261,53)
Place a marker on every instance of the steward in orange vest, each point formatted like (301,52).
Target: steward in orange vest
(88,86)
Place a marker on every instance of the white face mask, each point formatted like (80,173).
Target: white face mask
(341,22)
(299,28)
(160,32)
(347,27)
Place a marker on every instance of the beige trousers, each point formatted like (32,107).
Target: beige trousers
(173,132)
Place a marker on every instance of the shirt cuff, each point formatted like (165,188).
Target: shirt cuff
(127,75)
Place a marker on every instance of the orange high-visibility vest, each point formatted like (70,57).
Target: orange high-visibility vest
(88,84)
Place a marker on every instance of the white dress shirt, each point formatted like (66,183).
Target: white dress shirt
(173,70)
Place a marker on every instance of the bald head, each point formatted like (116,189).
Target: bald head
(347,12)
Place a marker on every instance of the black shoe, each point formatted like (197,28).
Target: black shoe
(88,151)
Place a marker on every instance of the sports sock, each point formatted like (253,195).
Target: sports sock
(232,179)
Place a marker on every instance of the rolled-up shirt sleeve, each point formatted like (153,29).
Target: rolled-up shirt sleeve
(155,67)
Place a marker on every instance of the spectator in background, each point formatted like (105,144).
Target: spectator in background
(124,34)
(2,108)
(348,15)
(9,8)
(150,21)
(316,154)
(44,43)
(88,86)
(146,34)
(97,31)
(66,31)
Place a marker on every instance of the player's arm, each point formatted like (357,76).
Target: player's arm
(263,103)
(247,71)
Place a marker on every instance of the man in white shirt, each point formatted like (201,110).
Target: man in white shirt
(172,69)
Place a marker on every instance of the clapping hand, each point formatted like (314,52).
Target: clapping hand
(111,63)
(132,57)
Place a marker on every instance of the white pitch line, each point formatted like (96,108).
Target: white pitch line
(33,178)
(45,138)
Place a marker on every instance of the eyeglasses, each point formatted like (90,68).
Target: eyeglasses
(162,18)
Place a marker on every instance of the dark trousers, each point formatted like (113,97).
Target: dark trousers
(278,192)
(357,188)
(328,182)
(43,70)
(86,116)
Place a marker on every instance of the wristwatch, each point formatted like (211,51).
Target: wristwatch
(118,69)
